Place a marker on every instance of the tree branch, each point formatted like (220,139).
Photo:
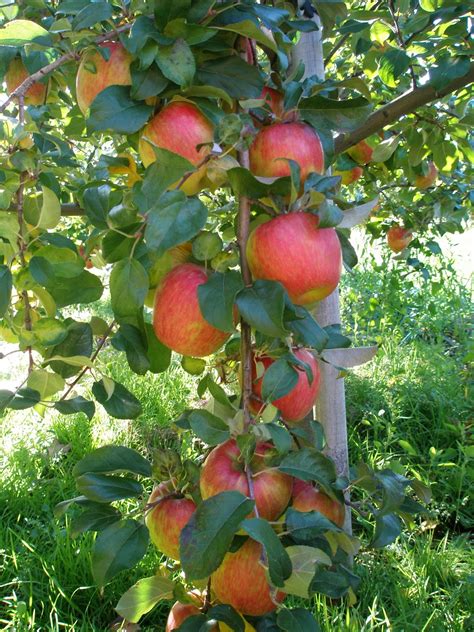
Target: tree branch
(405,104)
(23,88)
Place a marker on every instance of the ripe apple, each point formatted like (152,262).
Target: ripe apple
(179,127)
(296,141)
(295,405)
(224,470)
(182,611)
(291,249)
(350,176)
(398,238)
(425,181)
(306,497)
(95,73)
(274,100)
(167,519)
(361,153)
(241,581)
(16,75)
(177,318)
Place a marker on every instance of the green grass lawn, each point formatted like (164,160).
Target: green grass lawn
(408,408)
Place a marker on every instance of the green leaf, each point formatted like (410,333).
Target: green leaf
(387,530)
(330,114)
(334,583)
(143,596)
(208,427)
(393,486)
(177,62)
(128,287)
(113,109)
(91,14)
(281,438)
(393,63)
(249,29)
(50,213)
(297,620)
(167,169)
(262,305)
(229,616)
(208,535)
(147,83)
(113,458)
(85,288)
(349,255)
(174,220)
(279,563)
(45,382)
(97,204)
(309,465)
(76,405)
(384,150)
(233,75)
(119,547)
(121,404)
(217,298)
(6,284)
(105,489)
(303,562)
(21,32)
(448,69)
(50,331)
(158,355)
(305,526)
(130,340)
(278,380)
(78,342)
(306,330)
(206,246)
(22,399)
(95,518)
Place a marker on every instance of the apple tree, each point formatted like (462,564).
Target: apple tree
(183,161)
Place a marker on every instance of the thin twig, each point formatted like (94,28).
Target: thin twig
(401,41)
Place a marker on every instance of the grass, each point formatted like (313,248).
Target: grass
(408,408)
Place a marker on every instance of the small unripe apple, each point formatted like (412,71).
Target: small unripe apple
(291,249)
(361,153)
(398,238)
(306,497)
(177,318)
(241,581)
(425,181)
(16,75)
(295,405)
(349,176)
(224,470)
(167,519)
(180,127)
(96,74)
(295,141)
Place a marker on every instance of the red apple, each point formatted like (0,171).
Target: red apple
(291,249)
(224,470)
(425,181)
(167,519)
(361,153)
(306,497)
(182,611)
(295,141)
(398,238)
(179,127)
(274,100)
(177,318)
(295,405)
(350,176)
(241,581)
(96,74)
(16,75)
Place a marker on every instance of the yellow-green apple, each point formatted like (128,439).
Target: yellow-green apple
(295,141)
(166,519)
(182,128)
(349,176)
(16,75)
(177,318)
(274,100)
(291,249)
(96,74)
(306,497)
(295,405)
(224,470)
(425,181)
(361,153)
(398,238)
(241,581)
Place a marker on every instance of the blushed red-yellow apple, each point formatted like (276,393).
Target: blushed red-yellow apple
(16,75)
(349,176)
(182,128)
(425,181)
(361,153)
(224,470)
(96,74)
(182,611)
(166,520)
(291,249)
(241,581)
(306,497)
(398,238)
(295,405)
(295,141)
(177,318)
